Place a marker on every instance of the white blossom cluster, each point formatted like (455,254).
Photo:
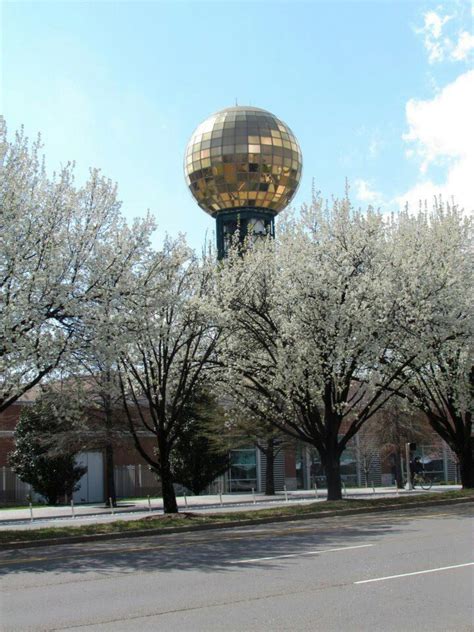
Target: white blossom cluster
(344,310)
(308,335)
(61,249)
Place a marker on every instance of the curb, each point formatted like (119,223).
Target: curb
(135,509)
(102,537)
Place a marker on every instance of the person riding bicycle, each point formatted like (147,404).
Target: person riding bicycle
(418,476)
(416,467)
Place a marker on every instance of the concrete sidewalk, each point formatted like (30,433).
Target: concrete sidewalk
(130,510)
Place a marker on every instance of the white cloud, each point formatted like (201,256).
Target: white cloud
(365,192)
(441,134)
(432,31)
(463,47)
(456,187)
(434,23)
(440,127)
(443,42)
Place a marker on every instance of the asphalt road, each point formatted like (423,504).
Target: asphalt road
(392,571)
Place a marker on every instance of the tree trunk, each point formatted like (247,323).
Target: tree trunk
(333,476)
(466,465)
(398,468)
(51,498)
(167,489)
(109,475)
(269,475)
(169,497)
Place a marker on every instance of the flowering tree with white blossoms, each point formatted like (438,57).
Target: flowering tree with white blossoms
(311,328)
(434,271)
(443,388)
(170,341)
(92,366)
(59,247)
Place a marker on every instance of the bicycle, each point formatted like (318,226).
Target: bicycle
(421,480)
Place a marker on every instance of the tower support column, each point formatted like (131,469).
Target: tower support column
(254,223)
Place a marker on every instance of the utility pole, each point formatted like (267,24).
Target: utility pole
(409,448)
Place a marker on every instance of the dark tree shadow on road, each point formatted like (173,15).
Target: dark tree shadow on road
(223,550)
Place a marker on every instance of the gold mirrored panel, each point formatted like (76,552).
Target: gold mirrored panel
(243,157)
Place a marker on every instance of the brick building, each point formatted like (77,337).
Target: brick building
(132,476)
(297,467)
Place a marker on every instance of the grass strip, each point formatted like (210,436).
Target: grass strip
(187,519)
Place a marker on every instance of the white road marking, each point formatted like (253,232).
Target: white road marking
(317,552)
(431,570)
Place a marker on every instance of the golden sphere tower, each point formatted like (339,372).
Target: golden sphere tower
(243,166)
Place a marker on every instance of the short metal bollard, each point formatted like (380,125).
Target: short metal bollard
(253,496)
(72,508)
(344,492)
(111,506)
(286,493)
(315,490)
(149,503)
(185,500)
(31,512)
(220,498)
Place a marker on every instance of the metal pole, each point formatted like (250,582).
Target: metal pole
(253,495)
(72,508)
(220,498)
(149,503)
(407,457)
(111,506)
(31,512)
(185,500)
(344,489)
(315,489)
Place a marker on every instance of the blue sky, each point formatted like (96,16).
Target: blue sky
(378,92)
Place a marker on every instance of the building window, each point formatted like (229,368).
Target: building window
(243,470)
